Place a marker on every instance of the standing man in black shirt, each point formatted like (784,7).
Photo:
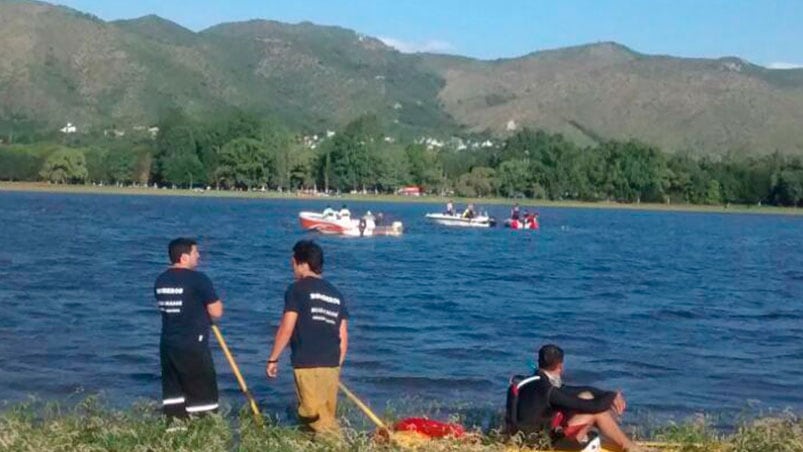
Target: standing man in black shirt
(188,303)
(315,324)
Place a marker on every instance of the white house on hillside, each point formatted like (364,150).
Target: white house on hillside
(69,128)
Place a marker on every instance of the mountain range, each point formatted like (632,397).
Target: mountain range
(58,65)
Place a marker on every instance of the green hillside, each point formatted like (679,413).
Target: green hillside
(59,65)
(608,91)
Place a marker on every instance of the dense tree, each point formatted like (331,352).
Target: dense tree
(478,182)
(788,188)
(351,160)
(240,150)
(423,166)
(65,166)
(244,163)
(513,179)
(393,170)
(20,163)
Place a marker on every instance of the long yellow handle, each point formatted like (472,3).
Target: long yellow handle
(373,417)
(237,374)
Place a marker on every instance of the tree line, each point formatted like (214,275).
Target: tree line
(241,151)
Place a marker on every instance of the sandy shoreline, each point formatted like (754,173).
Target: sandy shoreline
(142,191)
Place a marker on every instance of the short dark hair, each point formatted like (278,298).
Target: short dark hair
(549,356)
(310,253)
(179,246)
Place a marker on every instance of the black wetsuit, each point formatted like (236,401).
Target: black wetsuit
(538,401)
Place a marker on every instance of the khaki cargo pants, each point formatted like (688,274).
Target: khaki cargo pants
(316,389)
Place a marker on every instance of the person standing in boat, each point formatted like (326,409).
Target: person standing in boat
(450,208)
(315,324)
(188,304)
(515,213)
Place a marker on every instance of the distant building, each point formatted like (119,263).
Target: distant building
(511,125)
(114,132)
(409,191)
(69,128)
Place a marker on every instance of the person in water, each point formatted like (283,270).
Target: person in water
(315,325)
(188,303)
(449,208)
(533,221)
(469,212)
(514,212)
(543,403)
(367,223)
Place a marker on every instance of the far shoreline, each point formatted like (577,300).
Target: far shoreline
(42,187)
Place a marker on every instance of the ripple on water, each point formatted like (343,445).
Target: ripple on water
(632,297)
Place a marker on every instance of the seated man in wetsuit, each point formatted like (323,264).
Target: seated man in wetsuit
(469,212)
(544,403)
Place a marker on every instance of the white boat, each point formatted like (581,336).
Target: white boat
(445,219)
(347,226)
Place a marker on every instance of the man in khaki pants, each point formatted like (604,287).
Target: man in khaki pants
(315,324)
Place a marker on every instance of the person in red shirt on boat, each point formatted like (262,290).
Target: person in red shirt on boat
(542,402)
(531,222)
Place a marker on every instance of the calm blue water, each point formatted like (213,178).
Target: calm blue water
(683,311)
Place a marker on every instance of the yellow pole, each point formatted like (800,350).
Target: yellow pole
(237,374)
(373,417)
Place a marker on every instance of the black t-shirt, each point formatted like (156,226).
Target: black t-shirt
(316,337)
(182,296)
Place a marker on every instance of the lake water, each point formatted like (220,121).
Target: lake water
(685,312)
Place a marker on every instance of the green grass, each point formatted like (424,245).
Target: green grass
(525,203)
(90,426)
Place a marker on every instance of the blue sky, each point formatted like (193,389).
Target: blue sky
(766,32)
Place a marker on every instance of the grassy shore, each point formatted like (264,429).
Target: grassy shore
(142,191)
(91,427)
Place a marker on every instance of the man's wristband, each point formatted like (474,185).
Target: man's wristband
(273,361)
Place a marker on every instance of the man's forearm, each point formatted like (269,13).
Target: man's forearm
(344,340)
(344,346)
(281,341)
